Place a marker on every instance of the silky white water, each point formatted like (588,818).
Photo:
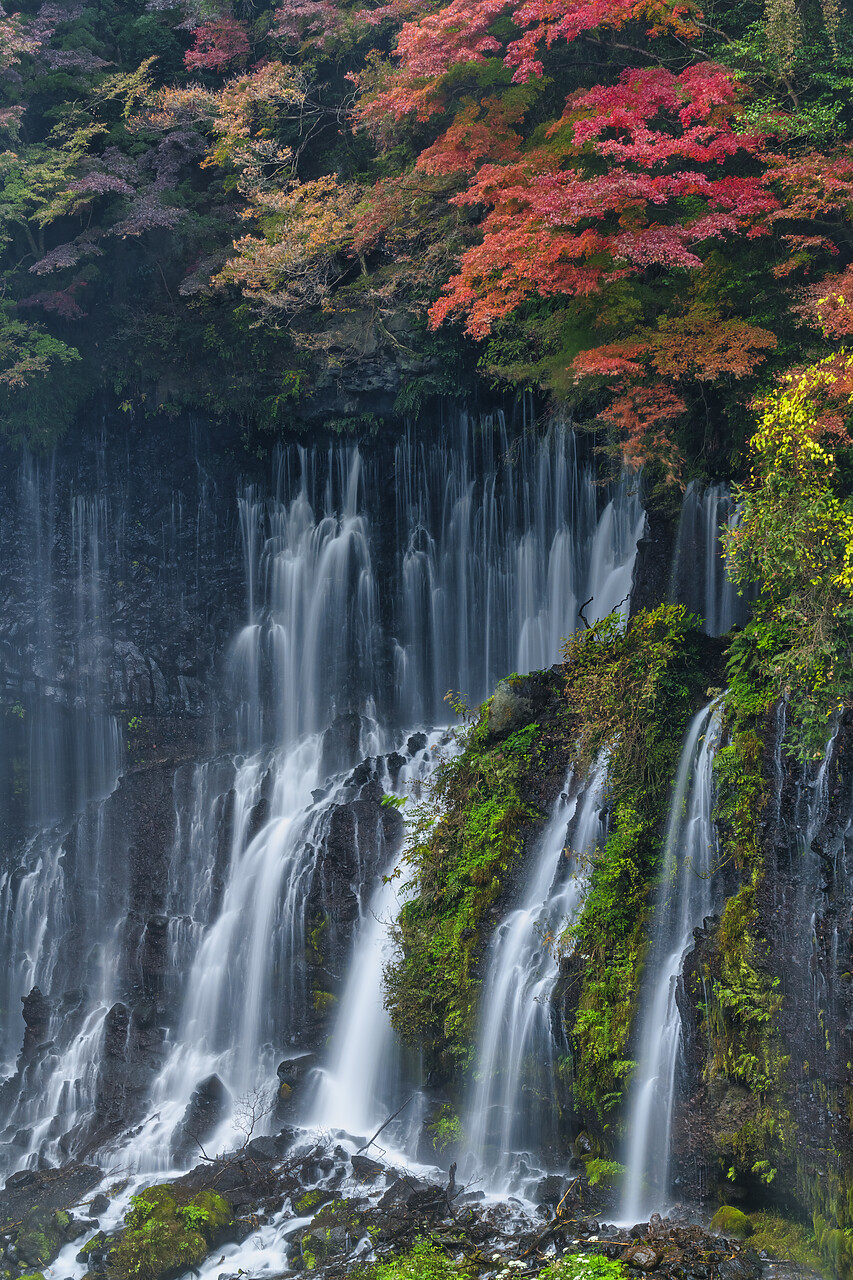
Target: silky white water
(375,581)
(686,895)
(512,1105)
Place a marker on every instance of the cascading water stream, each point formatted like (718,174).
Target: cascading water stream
(508,1116)
(363,1082)
(685,897)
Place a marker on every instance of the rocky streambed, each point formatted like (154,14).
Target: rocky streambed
(297,1203)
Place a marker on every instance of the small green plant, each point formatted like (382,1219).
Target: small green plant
(584,1266)
(389,801)
(423,1262)
(604,1172)
(446,1128)
(195,1218)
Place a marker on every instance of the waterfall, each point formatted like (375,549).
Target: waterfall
(699,578)
(512,1108)
(685,898)
(363,1081)
(499,542)
(374,580)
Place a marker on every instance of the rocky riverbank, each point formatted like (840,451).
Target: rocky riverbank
(305,1203)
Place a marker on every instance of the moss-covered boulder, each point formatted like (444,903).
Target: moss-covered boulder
(165,1234)
(311,1201)
(43,1233)
(731,1222)
(332,1232)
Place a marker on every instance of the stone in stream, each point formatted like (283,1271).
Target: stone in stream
(550,1189)
(365,1168)
(202,1116)
(642,1256)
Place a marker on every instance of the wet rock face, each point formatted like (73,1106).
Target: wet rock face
(206,1109)
(804,926)
(150,535)
(354,849)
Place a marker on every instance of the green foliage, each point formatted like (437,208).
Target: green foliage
(162,1237)
(464,837)
(835,1248)
(424,1261)
(739,780)
(584,1266)
(745,1003)
(445,1129)
(604,1172)
(782,1238)
(631,693)
(796,539)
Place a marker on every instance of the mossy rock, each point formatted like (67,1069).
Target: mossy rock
(731,1222)
(310,1202)
(218,1213)
(41,1236)
(508,710)
(163,1237)
(34,1275)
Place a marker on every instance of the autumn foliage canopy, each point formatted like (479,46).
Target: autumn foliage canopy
(636,207)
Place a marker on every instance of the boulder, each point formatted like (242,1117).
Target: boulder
(641,1256)
(508,710)
(731,1222)
(203,1114)
(365,1168)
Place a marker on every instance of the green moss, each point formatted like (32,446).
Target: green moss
(631,693)
(783,1239)
(742,997)
(465,836)
(835,1247)
(731,1222)
(745,1003)
(41,1236)
(315,941)
(323,1001)
(604,1173)
(308,1202)
(163,1237)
